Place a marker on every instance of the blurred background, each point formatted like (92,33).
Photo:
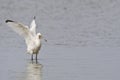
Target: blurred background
(66,22)
(83,40)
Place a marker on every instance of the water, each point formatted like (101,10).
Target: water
(83,40)
(62,63)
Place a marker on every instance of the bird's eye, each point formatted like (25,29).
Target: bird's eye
(39,36)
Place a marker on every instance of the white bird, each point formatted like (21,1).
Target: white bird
(33,40)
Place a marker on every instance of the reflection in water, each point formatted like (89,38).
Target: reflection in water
(34,71)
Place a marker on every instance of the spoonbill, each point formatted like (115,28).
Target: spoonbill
(32,39)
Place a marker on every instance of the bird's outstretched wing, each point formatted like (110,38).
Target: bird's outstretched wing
(33,27)
(20,29)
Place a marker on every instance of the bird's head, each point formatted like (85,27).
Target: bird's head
(39,35)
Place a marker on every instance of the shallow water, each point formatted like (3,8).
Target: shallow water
(83,40)
(62,63)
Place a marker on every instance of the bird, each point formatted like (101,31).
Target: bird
(32,39)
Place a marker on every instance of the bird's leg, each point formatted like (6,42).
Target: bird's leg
(36,57)
(32,57)
(36,61)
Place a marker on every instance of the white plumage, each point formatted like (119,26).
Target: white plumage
(33,40)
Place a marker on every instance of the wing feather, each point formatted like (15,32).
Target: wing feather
(33,27)
(21,29)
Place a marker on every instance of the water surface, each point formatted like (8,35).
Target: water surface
(83,40)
